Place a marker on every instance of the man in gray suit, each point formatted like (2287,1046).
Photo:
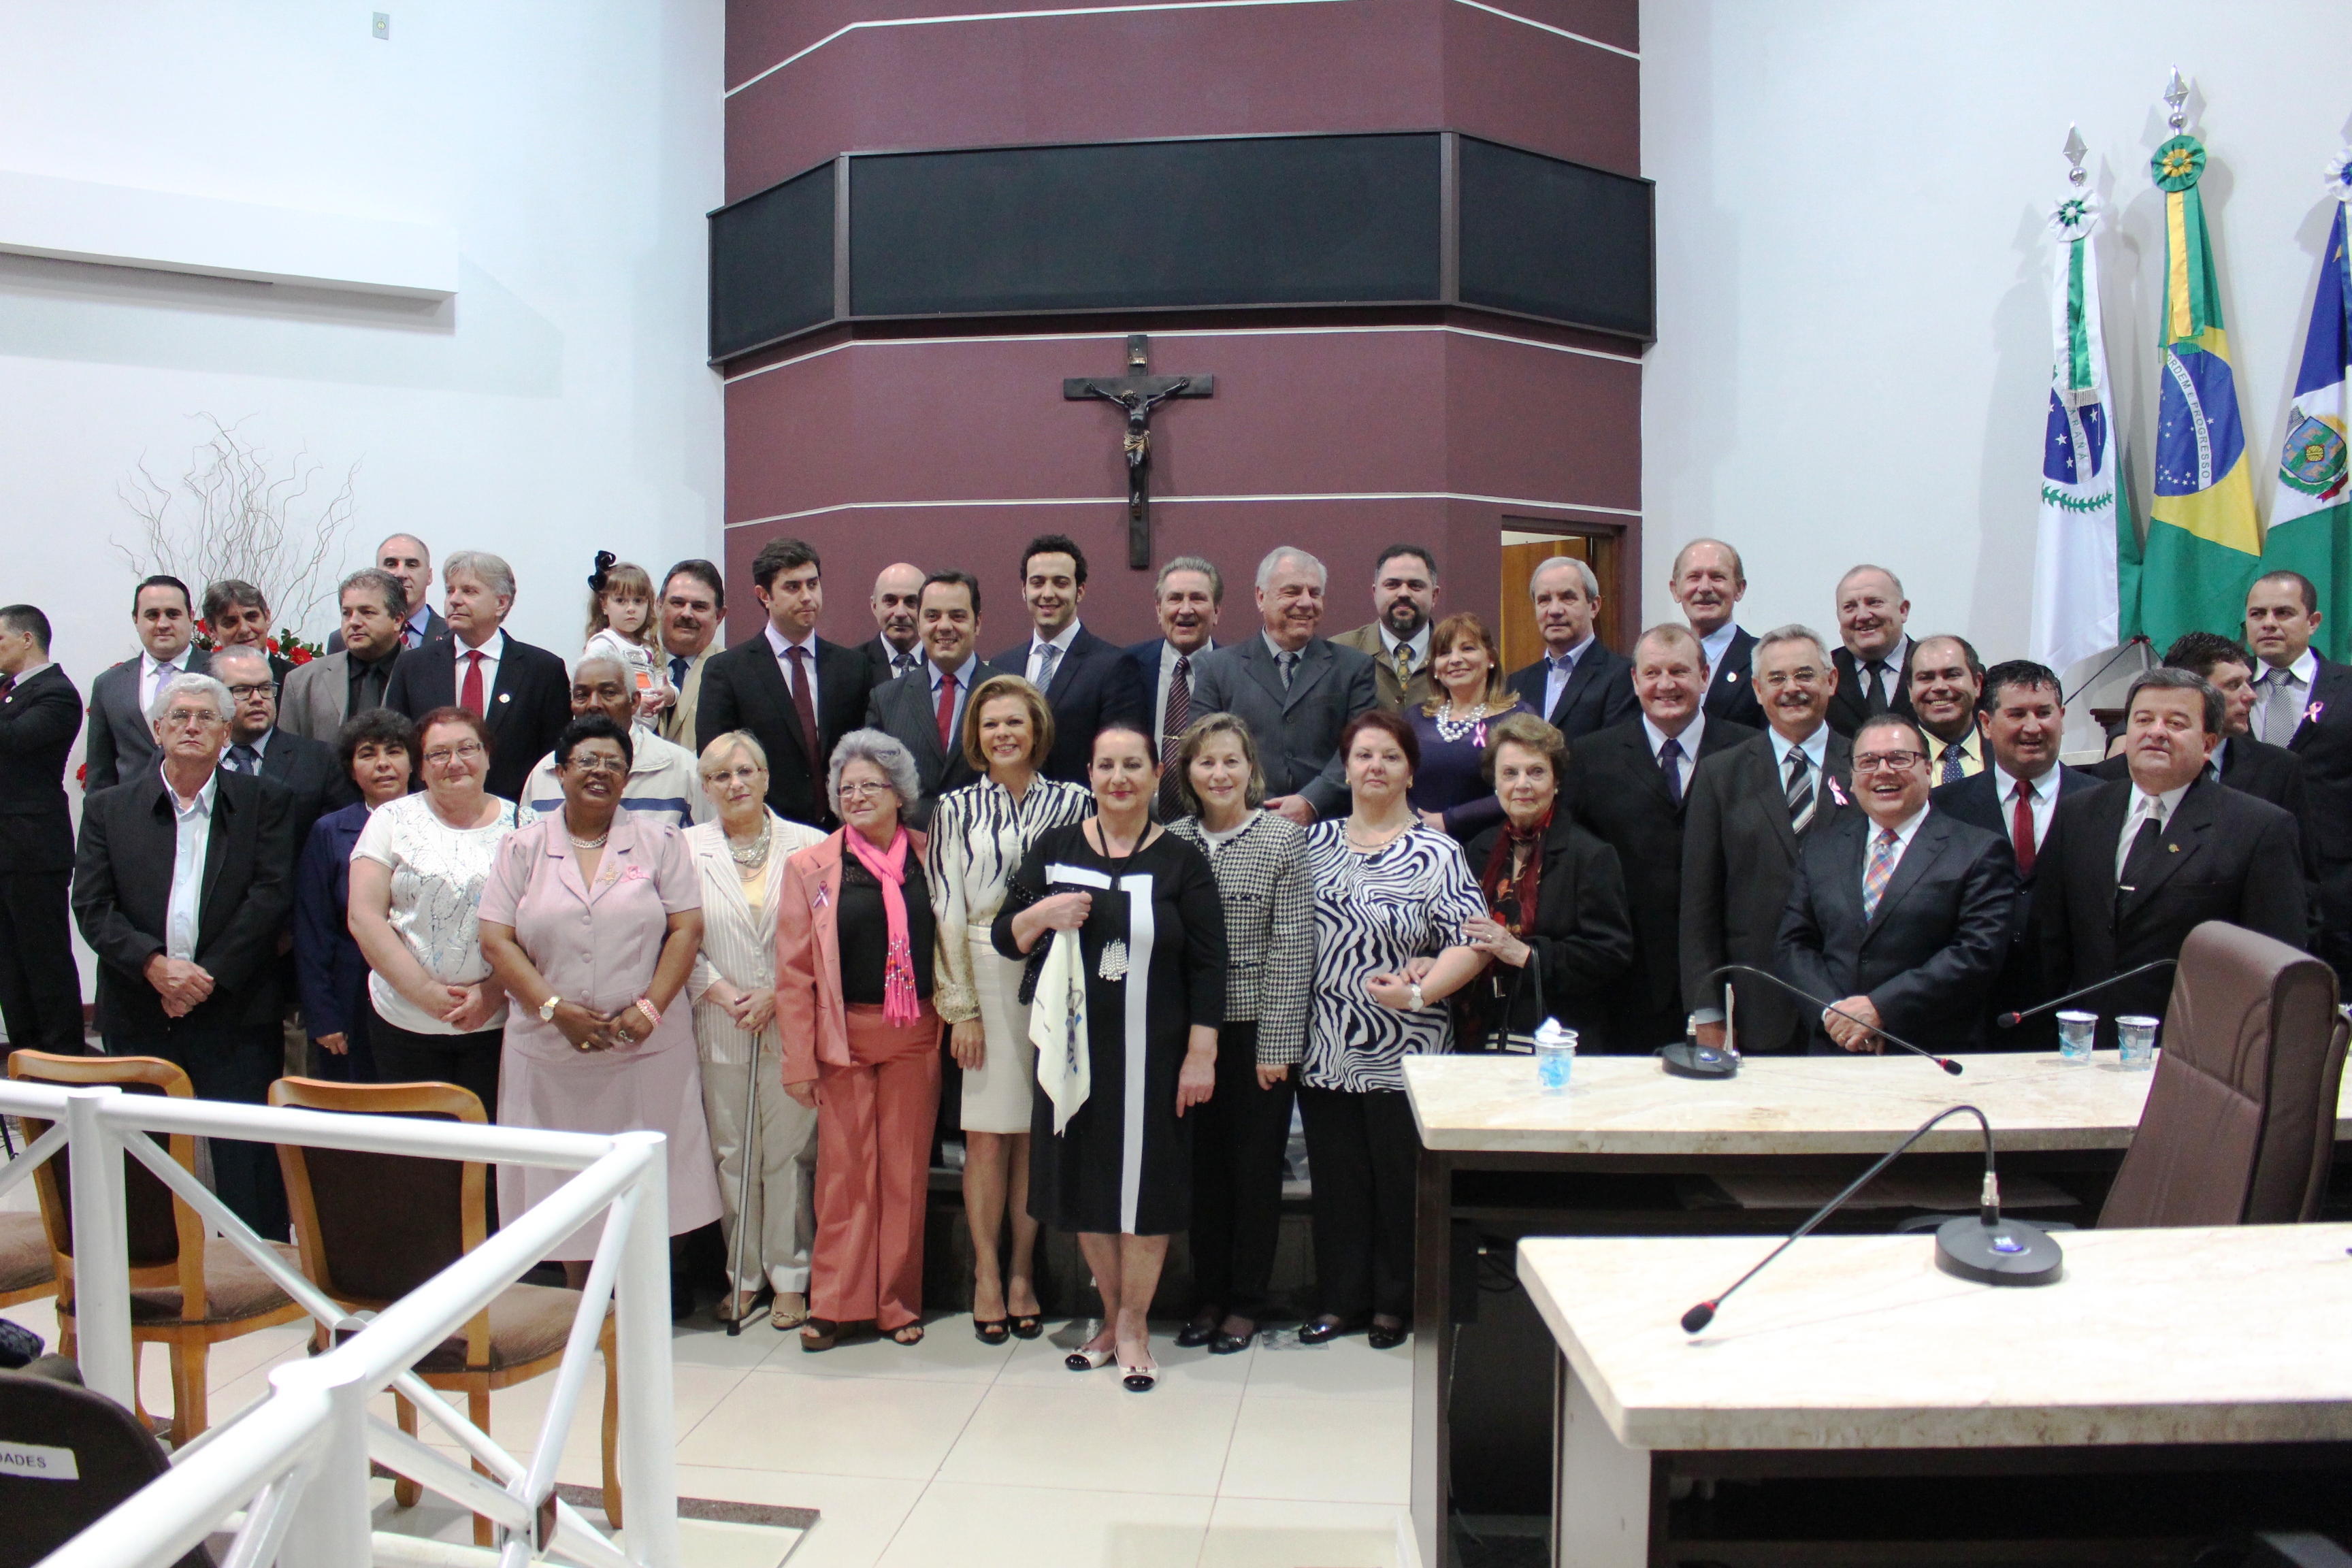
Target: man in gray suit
(924,708)
(1751,809)
(121,744)
(319,696)
(1293,689)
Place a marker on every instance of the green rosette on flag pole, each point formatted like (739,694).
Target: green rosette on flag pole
(2204,543)
(2311,521)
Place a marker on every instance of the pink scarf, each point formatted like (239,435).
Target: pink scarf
(900,1004)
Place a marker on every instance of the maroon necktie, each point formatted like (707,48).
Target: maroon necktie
(1172,730)
(803,704)
(470,698)
(947,711)
(2020,829)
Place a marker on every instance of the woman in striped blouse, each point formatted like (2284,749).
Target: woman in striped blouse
(1260,861)
(979,833)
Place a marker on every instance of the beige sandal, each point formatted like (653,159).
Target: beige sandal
(790,1311)
(736,1307)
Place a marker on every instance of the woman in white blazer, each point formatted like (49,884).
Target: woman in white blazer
(741,859)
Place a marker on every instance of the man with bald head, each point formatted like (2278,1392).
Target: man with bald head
(664,783)
(1872,651)
(1708,583)
(407,557)
(897,646)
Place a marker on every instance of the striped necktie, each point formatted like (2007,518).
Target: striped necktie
(1881,871)
(1801,791)
(1178,714)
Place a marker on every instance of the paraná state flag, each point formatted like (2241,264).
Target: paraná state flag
(2311,521)
(2086,518)
(2204,544)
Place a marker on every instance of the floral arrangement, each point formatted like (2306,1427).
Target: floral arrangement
(287,644)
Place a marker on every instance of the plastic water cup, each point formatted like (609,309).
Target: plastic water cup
(2077,1031)
(1555,1056)
(2137,1033)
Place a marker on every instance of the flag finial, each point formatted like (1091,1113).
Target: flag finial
(2176,93)
(2075,150)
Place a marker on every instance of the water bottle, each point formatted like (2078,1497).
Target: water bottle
(1555,1056)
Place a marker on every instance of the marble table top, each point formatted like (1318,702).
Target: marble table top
(2215,1335)
(1778,1105)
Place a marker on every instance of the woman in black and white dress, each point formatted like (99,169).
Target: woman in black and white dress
(1151,954)
(979,835)
(1391,899)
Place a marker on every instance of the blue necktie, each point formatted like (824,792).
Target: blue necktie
(678,665)
(244,759)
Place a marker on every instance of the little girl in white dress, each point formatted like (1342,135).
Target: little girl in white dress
(621,626)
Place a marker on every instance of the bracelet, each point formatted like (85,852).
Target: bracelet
(650,1010)
(1419,1000)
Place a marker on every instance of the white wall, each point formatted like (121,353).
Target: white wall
(1853,342)
(559,404)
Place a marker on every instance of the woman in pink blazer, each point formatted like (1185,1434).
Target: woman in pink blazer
(855,953)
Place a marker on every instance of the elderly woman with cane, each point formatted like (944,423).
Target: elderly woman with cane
(766,1144)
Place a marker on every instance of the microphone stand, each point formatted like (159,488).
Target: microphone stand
(2011,1020)
(1947,1063)
(1981,1246)
(2138,639)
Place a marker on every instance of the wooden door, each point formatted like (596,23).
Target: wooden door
(1522,646)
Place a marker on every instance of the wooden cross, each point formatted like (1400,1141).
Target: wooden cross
(1138,394)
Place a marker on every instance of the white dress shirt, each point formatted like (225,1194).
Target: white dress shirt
(491,652)
(1905,831)
(1897,659)
(1688,740)
(1559,670)
(1060,643)
(2041,799)
(891,655)
(2145,805)
(2302,672)
(417,627)
(192,838)
(1714,644)
(152,677)
(782,643)
(1816,747)
(1417,644)
(1168,657)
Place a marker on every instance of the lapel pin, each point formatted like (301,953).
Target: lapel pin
(1731,678)
(506,696)
(2174,848)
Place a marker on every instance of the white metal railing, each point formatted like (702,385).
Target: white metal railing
(298,1469)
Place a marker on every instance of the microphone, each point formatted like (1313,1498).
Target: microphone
(1947,1063)
(1981,1246)
(2011,1020)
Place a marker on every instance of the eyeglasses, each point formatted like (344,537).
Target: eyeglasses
(263,689)
(442,756)
(583,762)
(191,719)
(1887,761)
(865,791)
(746,774)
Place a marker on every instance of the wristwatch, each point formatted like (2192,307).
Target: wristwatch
(547,1009)
(1419,1000)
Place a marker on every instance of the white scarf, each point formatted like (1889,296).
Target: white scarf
(1057,1026)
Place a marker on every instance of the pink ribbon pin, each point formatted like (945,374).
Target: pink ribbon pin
(2311,714)
(1838,795)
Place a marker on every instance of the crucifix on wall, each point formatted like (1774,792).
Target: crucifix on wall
(1139,393)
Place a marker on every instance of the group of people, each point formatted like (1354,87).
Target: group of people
(1142,902)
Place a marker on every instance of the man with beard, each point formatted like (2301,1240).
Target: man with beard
(1188,596)
(1578,686)
(1396,639)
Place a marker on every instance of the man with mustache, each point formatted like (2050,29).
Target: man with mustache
(1188,596)
(896,602)
(1396,639)
(693,598)
(1708,583)
(1871,612)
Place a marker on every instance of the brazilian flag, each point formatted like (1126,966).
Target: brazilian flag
(2204,544)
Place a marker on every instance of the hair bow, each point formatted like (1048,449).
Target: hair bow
(605,560)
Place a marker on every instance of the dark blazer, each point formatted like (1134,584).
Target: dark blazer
(903,709)
(1583,938)
(435,626)
(878,661)
(38,721)
(310,772)
(123,892)
(121,742)
(2325,744)
(2230,857)
(1849,708)
(2264,771)
(1973,800)
(1093,685)
(527,707)
(1620,796)
(1296,731)
(329,969)
(743,688)
(1599,693)
(1731,684)
(1740,860)
(1927,955)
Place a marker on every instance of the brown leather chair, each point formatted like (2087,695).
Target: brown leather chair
(27,1272)
(2240,1124)
(189,1288)
(374,1228)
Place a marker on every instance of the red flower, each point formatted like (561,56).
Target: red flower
(270,644)
(301,656)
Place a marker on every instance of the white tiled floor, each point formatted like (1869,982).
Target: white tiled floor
(956,1451)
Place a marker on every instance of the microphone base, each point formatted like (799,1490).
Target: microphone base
(2012,1252)
(1683,1060)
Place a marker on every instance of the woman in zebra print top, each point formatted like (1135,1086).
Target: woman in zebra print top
(1391,896)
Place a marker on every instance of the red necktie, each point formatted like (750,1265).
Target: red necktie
(2020,829)
(471,697)
(803,704)
(947,710)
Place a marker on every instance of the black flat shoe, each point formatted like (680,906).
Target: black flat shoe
(1198,1332)
(1323,1330)
(991,1331)
(1230,1344)
(1028,1325)
(1387,1336)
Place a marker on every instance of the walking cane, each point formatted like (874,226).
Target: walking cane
(743,1186)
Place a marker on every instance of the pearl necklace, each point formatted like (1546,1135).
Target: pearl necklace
(1449,728)
(755,857)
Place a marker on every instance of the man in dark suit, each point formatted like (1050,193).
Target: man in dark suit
(1580,685)
(1945,679)
(410,564)
(1899,915)
(1873,652)
(305,768)
(522,693)
(1708,583)
(897,646)
(316,699)
(796,692)
(1631,783)
(1086,680)
(2305,705)
(1293,689)
(1396,639)
(40,714)
(1188,596)
(182,880)
(2241,762)
(924,709)
(2017,796)
(121,742)
(1751,809)
(2131,868)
